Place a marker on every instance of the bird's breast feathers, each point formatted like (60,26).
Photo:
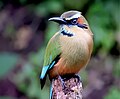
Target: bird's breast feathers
(76,49)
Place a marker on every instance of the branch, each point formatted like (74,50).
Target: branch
(71,89)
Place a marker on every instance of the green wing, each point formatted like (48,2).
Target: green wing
(52,51)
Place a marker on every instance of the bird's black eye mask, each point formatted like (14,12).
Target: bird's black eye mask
(75,22)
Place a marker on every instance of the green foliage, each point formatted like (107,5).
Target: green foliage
(114,93)
(101,21)
(47,7)
(76,4)
(5,97)
(116,69)
(84,76)
(52,28)
(9,30)
(1,4)
(7,62)
(28,82)
(23,1)
(103,18)
(37,58)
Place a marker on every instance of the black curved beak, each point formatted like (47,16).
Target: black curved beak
(58,20)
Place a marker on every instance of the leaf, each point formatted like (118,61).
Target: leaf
(36,58)
(103,25)
(7,62)
(114,93)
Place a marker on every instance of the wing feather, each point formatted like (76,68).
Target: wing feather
(52,55)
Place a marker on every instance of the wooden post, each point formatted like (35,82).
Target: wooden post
(72,88)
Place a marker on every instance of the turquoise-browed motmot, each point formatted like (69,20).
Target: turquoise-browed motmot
(70,48)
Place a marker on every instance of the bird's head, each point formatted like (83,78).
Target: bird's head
(71,19)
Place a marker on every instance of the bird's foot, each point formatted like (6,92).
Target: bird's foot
(65,87)
(78,77)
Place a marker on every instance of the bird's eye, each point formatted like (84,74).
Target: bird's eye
(74,21)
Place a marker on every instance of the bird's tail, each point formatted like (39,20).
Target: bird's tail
(45,71)
(43,76)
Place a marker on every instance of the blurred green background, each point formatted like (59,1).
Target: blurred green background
(25,31)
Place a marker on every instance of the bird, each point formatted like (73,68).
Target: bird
(70,49)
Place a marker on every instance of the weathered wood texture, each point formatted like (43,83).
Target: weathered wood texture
(67,89)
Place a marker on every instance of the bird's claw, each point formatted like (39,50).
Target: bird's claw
(64,87)
(78,77)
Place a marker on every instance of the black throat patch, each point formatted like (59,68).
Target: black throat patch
(66,33)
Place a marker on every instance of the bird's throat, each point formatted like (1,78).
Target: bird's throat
(66,33)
